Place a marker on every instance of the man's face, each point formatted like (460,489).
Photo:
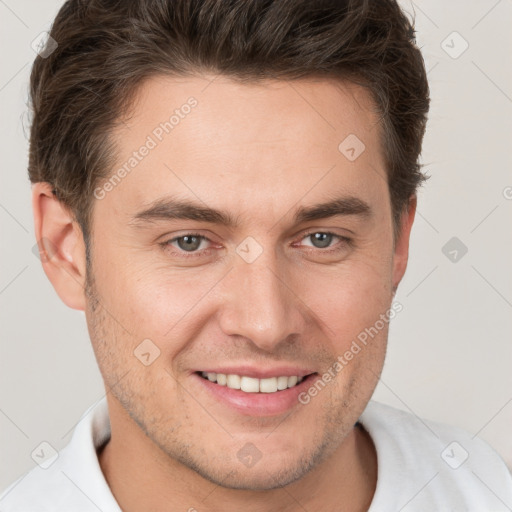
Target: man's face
(262,297)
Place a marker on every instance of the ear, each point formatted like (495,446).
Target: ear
(61,246)
(401,251)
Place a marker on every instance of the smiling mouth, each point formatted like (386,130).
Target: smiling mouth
(254,385)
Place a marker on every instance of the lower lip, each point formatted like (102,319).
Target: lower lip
(257,404)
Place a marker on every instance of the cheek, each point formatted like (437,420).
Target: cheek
(348,299)
(156,301)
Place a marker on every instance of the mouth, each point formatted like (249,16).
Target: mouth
(254,385)
(270,396)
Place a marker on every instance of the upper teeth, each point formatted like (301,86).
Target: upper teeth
(252,385)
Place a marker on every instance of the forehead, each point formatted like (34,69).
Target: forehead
(314,110)
(224,141)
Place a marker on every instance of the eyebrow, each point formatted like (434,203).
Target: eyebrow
(168,208)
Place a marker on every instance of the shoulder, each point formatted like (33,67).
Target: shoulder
(70,480)
(40,490)
(426,465)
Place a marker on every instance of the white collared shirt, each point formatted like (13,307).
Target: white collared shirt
(422,466)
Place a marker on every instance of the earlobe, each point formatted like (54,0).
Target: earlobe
(401,253)
(61,246)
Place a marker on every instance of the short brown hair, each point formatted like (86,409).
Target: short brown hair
(106,48)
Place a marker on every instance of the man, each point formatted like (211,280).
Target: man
(227,190)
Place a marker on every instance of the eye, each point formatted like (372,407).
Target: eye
(320,240)
(195,245)
(324,239)
(191,242)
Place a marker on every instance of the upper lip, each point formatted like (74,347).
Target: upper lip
(259,373)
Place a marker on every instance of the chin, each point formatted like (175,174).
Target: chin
(254,479)
(274,471)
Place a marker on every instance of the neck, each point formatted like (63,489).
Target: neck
(131,462)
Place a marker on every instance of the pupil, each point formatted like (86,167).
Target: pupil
(188,243)
(323,238)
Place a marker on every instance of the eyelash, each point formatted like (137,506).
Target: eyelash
(165,245)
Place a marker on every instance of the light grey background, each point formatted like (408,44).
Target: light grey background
(450,350)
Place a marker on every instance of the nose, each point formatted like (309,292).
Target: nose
(260,304)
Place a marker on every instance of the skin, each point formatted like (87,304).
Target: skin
(259,152)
